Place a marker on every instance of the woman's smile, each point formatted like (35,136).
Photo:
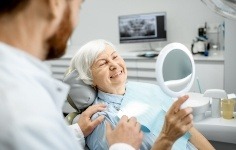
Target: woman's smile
(117,74)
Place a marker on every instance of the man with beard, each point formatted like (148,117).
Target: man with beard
(31,100)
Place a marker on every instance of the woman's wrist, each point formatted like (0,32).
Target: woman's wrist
(163,142)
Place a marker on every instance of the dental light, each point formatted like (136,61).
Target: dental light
(226,8)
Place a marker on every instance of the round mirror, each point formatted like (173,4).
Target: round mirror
(175,69)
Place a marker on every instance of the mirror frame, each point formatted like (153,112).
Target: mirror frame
(159,68)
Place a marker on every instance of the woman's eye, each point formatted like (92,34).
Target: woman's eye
(114,57)
(102,64)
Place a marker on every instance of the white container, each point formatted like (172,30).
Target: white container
(199,104)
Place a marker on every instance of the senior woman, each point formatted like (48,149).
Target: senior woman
(100,66)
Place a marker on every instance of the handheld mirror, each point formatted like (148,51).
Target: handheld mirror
(175,70)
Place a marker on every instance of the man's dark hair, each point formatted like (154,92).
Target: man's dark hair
(12,6)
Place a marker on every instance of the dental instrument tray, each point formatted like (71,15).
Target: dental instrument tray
(148,54)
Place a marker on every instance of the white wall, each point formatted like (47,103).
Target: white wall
(99,19)
(230,56)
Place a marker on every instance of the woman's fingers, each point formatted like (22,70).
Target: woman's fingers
(187,119)
(184,112)
(176,105)
(177,121)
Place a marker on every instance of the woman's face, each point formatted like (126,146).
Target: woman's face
(109,72)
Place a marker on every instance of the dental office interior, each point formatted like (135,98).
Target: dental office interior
(214,65)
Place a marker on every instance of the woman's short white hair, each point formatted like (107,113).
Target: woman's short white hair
(84,58)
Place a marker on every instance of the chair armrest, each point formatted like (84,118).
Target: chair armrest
(70,117)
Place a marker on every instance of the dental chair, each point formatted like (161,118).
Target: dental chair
(80,96)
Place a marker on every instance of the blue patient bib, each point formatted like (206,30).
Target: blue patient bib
(149,104)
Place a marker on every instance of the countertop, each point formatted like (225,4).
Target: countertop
(214,55)
(218,129)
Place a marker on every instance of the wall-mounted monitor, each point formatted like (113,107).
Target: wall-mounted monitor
(149,27)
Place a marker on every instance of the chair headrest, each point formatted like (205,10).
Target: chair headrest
(81,94)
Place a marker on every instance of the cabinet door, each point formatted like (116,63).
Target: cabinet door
(146,70)
(132,69)
(59,67)
(210,75)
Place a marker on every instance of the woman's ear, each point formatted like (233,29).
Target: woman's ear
(94,86)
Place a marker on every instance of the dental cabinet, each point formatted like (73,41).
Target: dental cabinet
(209,70)
(221,132)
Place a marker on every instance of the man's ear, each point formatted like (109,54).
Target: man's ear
(57,8)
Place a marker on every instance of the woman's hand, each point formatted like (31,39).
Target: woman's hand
(177,123)
(85,122)
(127,131)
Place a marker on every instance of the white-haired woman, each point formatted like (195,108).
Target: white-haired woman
(100,66)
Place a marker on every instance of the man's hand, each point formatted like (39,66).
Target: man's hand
(127,131)
(85,122)
(177,123)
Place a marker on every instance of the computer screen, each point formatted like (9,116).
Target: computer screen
(149,27)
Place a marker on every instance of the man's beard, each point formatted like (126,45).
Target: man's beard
(57,43)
